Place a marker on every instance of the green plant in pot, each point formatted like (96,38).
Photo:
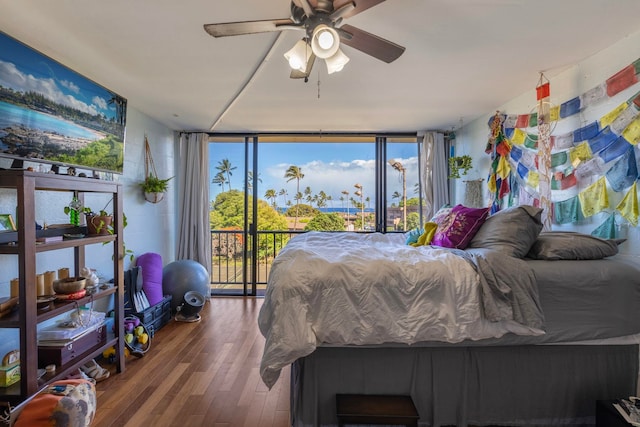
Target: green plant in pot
(154,188)
(459,165)
(100,223)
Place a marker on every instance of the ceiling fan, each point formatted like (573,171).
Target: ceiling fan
(322,22)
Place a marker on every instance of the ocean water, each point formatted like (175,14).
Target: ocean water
(11,115)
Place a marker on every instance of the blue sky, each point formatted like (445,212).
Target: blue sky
(24,69)
(330,167)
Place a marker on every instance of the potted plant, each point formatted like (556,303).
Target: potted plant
(154,188)
(98,223)
(459,165)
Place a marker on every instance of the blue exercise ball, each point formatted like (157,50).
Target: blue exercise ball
(180,277)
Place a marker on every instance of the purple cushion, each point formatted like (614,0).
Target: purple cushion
(456,229)
(151,264)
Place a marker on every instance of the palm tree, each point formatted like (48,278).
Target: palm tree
(271,194)
(396,195)
(225,168)
(283,193)
(250,180)
(308,195)
(219,179)
(294,172)
(346,197)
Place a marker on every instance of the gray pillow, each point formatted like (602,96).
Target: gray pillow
(558,245)
(512,231)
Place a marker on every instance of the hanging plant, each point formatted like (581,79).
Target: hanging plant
(459,166)
(152,186)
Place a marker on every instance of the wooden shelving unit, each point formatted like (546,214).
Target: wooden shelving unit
(24,246)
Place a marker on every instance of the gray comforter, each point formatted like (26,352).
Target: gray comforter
(370,289)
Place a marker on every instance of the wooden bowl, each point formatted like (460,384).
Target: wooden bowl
(69,285)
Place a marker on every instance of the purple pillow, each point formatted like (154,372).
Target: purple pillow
(456,229)
(151,264)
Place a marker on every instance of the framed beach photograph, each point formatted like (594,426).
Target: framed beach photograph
(6,223)
(51,114)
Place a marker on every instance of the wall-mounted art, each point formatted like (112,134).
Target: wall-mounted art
(51,114)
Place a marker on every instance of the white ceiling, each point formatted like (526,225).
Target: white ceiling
(463,59)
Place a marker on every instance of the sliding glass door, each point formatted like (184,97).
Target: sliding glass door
(266,189)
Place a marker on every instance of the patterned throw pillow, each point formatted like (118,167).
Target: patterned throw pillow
(457,228)
(64,403)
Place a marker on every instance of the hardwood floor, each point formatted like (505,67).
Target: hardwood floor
(198,374)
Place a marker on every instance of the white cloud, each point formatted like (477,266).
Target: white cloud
(101,103)
(13,78)
(334,177)
(70,85)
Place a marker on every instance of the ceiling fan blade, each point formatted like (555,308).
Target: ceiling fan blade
(361,6)
(297,74)
(249,27)
(304,4)
(370,44)
(342,11)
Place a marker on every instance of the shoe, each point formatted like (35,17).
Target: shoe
(95,371)
(79,374)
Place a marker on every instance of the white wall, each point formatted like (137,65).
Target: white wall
(566,85)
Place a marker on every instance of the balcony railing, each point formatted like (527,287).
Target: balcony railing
(228,270)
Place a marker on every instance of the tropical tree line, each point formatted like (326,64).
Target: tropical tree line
(301,204)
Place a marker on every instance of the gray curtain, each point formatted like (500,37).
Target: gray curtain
(435,183)
(194,233)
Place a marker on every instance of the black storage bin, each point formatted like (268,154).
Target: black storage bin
(154,317)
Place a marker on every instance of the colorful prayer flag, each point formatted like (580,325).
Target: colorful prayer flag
(632,132)
(567,211)
(624,172)
(628,206)
(621,80)
(594,198)
(543,91)
(570,107)
(586,132)
(608,229)
(523,121)
(593,96)
(602,140)
(518,137)
(580,152)
(608,118)
(615,150)
(533,179)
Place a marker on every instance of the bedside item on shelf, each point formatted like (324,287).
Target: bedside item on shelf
(63,273)
(92,277)
(49,278)
(10,368)
(39,284)
(44,302)
(69,285)
(7,304)
(7,223)
(15,287)
(72,236)
(73,296)
(49,239)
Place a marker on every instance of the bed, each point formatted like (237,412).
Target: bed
(512,327)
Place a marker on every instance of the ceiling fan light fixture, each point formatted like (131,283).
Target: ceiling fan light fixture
(336,62)
(325,41)
(298,55)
